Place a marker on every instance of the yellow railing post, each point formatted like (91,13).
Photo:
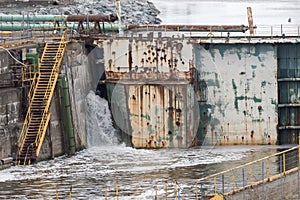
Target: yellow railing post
(197,190)
(268,168)
(298,149)
(106,193)
(283,162)
(166,189)
(56,191)
(215,185)
(233,180)
(117,191)
(250,174)
(176,190)
(71,191)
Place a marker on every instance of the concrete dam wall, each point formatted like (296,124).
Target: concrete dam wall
(165,92)
(226,92)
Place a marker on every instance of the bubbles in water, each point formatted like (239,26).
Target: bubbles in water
(100,130)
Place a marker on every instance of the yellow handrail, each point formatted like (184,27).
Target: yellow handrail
(30,146)
(48,93)
(32,86)
(23,131)
(41,134)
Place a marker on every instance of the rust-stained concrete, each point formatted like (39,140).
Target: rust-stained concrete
(234,86)
(156,76)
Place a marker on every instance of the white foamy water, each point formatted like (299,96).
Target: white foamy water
(99,122)
(137,171)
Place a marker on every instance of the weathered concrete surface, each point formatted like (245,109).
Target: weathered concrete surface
(10,124)
(153,89)
(10,110)
(83,72)
(241,92)
(237,100)
(289,186)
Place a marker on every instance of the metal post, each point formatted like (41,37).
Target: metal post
(262,178)
(118,2)
(280,168)
(71,192)
(106,193)
(298,156)
(299,151)
(223,187)
(250,173)
(178,186)
(250,20)
(176,190)
(117,191)
(156,197)
(201,191)
(197,191)
(166,189)
(232,180)
(268,168)
(215,185)
(298,182)
(56,191)
(283,163)
(271,31)
(243,176)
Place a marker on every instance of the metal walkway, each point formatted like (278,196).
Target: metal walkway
(40,96)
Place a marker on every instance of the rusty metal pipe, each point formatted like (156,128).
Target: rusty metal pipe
(92,18)
(189,28)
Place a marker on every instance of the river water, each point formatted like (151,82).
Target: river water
(94,172)
(266,13)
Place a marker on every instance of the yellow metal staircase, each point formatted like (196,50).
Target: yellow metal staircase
(39,97)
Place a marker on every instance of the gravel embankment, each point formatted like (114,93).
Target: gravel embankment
(133,12)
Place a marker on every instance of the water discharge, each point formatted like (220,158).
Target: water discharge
(98,122)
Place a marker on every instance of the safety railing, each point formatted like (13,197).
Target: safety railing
(249,175)
(42,131)
(23,133)
(50,90)
(163,190)
(10,39)
(32,86)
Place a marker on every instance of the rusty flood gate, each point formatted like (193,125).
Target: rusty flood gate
(288,92)
(150,85)
(181,92)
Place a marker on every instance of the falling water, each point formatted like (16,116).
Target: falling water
(98,122)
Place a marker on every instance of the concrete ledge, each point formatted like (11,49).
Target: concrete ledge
(6,160)
(6,163)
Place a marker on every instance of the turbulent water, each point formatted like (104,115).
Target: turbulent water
(94,172)
(98,122)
